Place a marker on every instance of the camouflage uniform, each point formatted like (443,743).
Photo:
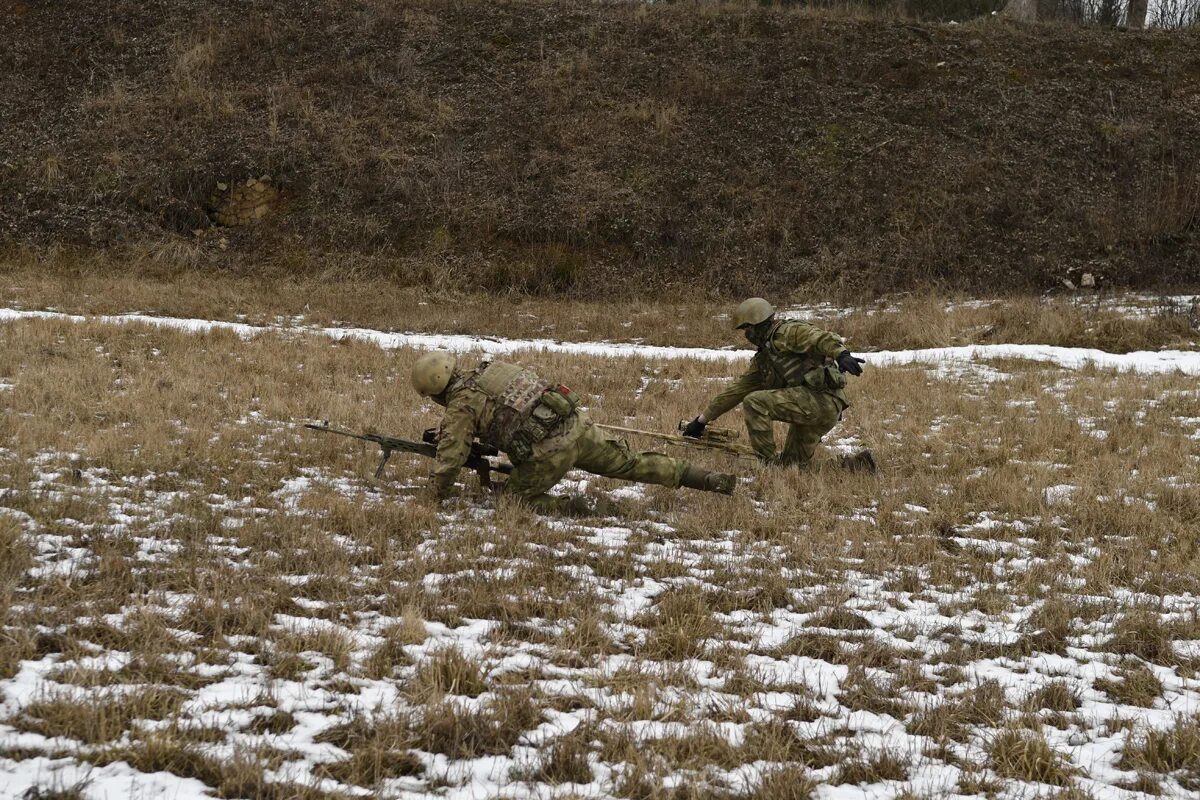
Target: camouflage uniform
(541,430)
(792,378)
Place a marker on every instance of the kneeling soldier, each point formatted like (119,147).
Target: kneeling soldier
(796,376)
(542,430)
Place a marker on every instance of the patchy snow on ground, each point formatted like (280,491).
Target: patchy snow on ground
(1186,362)
(1017,622)
(859,680)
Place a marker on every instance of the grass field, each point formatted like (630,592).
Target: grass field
(198,596)
(1116,322)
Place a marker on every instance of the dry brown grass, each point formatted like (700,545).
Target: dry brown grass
(567,759)
(379,750)
(752,629)
(446,671)
(927,320)
(1138,686)
(99,717)
(1140,632)
(458,731)
(679,626)
(1054,696)
(1026,755)
(1175,751)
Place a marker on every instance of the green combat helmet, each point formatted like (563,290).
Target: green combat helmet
(752,312)
(432,372)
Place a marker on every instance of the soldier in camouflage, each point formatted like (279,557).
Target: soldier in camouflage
(542,430)
(797,376)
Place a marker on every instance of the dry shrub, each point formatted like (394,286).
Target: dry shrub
(276,723)
(878,654)
(1144,784)
(975,781)
(447,671)
(954,717)
(1054,696)
(694,751)
(842,619)
(884,766)
(97,717)
(489,729)
(819,646)
(1048,628)
(1141,633)
(172,750)
(15,555)
(776,740)
(1175,751)
(16,645)
(1138,686)
(860,692)
(1027,756)
(586,637)
(762,592)
(331,641)
(371,765)
(390,653)
(247,774)
(679,625)
(567,759)
(379,750)
(215,617)
(55,791)
(785,783)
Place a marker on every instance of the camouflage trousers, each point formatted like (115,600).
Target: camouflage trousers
(595,453)
(810,415)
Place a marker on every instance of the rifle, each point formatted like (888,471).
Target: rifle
(720,439)
(478,460)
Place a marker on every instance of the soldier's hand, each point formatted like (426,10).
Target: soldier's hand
(846,362)
(694,429)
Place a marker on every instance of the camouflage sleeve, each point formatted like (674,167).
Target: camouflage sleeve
(454,443)
(737,391)
(800,337)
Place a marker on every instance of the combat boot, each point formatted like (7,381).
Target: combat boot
(862,461)
(705,481)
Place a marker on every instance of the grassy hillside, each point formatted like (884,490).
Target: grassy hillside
(593,148)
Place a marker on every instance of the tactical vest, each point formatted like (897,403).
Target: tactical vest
(786,368)
(796,369)
(526,409)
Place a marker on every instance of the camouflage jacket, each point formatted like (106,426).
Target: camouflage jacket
(792,348)
(472,411)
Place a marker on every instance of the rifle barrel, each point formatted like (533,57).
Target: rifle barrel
(477,461)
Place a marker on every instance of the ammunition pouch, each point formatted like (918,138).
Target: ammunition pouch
(546,418)
(826,378)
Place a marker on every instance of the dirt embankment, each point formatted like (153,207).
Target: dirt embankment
(559,147)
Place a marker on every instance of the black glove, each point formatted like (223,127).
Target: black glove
(694,429)
(846,362)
